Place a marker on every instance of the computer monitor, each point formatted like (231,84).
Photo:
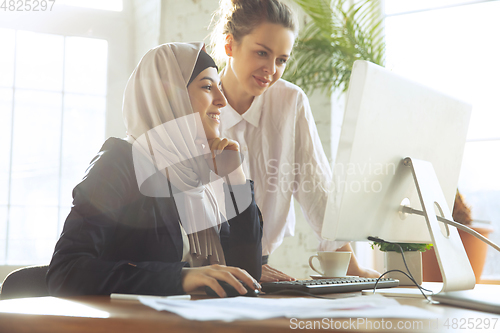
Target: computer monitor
(387,119)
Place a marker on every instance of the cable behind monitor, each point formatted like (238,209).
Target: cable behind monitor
(457,225)
(409,275)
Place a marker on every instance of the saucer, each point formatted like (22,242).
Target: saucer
(315,277)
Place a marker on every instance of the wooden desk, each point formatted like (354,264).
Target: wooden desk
(101,314)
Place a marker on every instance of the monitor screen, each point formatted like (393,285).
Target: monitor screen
(388,118)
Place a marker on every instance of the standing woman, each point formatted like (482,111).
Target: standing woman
(272,121)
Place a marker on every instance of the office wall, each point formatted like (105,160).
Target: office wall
(147,14)
(188,20)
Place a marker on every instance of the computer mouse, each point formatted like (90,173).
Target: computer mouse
(230,291)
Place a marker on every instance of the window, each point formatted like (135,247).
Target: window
(60,97)
(53,111)
(451,45)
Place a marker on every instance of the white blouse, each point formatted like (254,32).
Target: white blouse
(283,155)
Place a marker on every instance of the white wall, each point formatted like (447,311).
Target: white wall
(188,20)
(146,14)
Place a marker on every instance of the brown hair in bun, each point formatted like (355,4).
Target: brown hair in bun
(240,17)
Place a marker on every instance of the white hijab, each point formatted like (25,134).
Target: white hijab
(163,128)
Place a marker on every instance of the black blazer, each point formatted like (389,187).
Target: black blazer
(116,240)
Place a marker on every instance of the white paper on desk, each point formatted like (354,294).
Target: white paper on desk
(247,308)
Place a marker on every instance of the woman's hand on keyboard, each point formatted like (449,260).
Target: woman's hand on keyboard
(270,274)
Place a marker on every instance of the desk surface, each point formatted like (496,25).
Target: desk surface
(101,314)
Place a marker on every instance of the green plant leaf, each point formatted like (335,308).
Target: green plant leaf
(386,247)
(336,36)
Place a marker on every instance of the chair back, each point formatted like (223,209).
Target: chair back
(25,282)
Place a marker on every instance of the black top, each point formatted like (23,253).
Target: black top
(116,240)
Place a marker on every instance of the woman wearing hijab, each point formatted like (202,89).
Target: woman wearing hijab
(169,209)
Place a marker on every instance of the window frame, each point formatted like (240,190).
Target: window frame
(114,27)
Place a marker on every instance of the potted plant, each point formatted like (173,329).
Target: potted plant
(394,260)
(475,248)
(337,34)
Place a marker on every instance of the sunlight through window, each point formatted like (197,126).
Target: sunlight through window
(113,5)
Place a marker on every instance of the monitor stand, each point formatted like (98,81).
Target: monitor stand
(455,267)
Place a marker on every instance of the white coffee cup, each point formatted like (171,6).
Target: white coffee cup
(333,264)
